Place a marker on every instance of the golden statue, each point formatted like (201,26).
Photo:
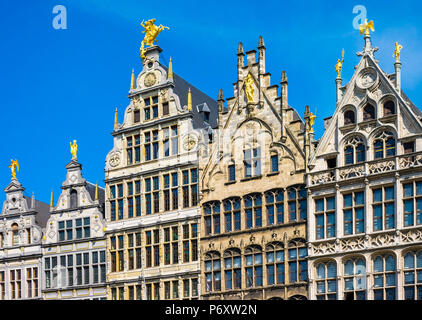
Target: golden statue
(249,90)
(364,28)
(397,51)
(151,32)
(311,122)
(74,149)
(339,65)
(14,164)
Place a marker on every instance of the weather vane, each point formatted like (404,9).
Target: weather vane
(365,27)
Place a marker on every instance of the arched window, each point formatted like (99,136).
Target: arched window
(275,206)
(384,145)
(212,272)
(389,108)
(15,234)
(297,203)
(253,266)
(355,279)
(326,274)
(253,211)
(275,263)
(384,275)
(232,214)
(212,217)
(73,199)
(368,112)
(298,266)
(412,275)
(349,117)
(232,269)
(354,151)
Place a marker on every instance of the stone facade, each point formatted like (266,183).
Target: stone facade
(22,220)
(152,205)
(253,201)
(364,225)
(74,245)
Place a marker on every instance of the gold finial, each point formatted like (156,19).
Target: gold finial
(365,27)
(397,51)
(312,118)
(96,192)
(151,32)
(14,164)
(339,64)
(249,90)
(116,120)
(74,150)
(189,100)
(170,71)
(52,199)
(132,80)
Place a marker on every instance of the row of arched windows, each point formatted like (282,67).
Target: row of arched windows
(368,112)
(255,267)
(383,278)
(384,145)
(251,209)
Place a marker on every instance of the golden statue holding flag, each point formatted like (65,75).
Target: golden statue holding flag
(339,65)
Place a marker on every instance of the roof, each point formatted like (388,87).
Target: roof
(414,108)
(90,187)
(181,88)
(42,209)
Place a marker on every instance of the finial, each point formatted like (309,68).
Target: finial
(189,100)
(74,150)
(33,201)
(397,52)
(116,120)
(312,118)
(170,71)
(283,77)
(52,200)
(132,80)
(240,48)
(14,164)
(96,192)
(261,42)
(365,27)
(220,95)
(339,65)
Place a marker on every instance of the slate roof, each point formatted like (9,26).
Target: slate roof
(101,194)
(42,209)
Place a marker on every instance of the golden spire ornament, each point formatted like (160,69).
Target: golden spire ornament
(14,164)
(365,27)
(189,101)
(339,64)
(74,149)
(151,33)
(116,120)
(132,80)
(96,192)
(170,71)
(397,51)
(52,199)
(312,118)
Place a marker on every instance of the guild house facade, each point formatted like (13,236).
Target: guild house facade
(365,189)
(152,186)
(253,197)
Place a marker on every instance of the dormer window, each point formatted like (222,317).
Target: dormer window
(206,116)
(349,117)
(73,199)
(368,113)
(389,108)
(15,234)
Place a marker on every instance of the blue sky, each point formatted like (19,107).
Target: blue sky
(60,85)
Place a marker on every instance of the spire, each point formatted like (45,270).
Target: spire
(189,101)
(132,81)
(96,192)
(240,48)
(364,30)
(261,42)
(220,101)
(52,200)
(33,201)
(170,71)
(116,120)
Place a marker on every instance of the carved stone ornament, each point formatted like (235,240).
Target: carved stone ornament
(150,79)
(367,78)
(114,159)
(190,142)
